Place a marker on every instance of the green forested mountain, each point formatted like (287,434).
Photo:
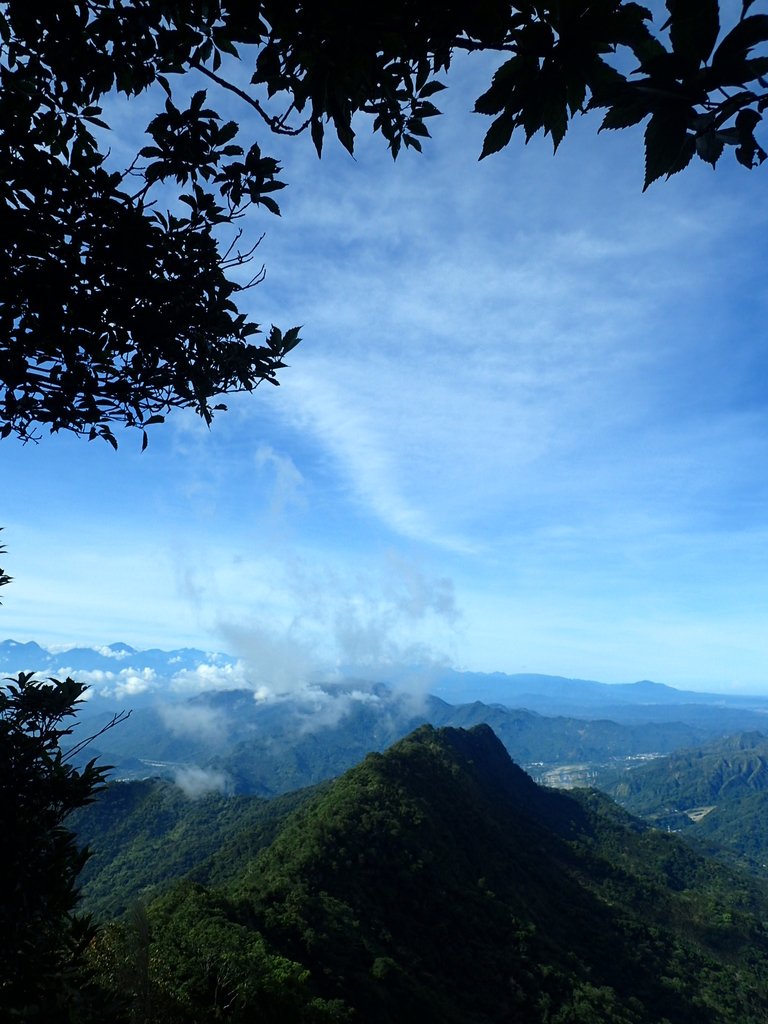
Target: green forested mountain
(686,779)
(437,883)
(531,737)
(273,750)
(737,830)
(147,833)
(717,794)
(144,834)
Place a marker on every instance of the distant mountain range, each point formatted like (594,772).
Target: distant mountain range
(643,700)
(118,670)
(537,692)
(207,711)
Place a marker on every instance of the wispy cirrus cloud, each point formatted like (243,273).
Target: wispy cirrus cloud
(525,375)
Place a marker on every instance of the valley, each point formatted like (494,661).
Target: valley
(347,852)
(428,883)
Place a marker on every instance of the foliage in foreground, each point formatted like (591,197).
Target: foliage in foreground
(120,281)
(42,937)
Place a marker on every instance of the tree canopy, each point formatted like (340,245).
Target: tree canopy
(42,936)
(119,283)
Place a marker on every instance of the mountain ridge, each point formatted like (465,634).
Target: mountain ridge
(436,882)
(456,684)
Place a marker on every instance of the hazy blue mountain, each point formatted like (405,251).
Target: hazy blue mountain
(529,690)
(268,743)
(116,673)
(24,657)
(517,689)
(31,657)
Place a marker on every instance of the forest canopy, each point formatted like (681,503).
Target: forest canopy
(121,284)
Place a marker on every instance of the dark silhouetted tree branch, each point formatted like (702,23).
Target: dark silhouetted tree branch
(118,305)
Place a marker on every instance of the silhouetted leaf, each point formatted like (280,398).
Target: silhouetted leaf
(625,115)
(498,135)
(668,148)
(736,45)
(495,98)
(709,146)
(316,129)
(693,27)
(430,89)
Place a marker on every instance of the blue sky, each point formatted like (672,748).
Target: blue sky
(525,431)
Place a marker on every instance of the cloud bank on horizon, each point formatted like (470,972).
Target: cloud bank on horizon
(526,431)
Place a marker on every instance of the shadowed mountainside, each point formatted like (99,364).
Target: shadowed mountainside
(437,882)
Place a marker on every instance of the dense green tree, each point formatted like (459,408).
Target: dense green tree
(41,935)
(437,883)
(188,962)
(118,283)
(132,823)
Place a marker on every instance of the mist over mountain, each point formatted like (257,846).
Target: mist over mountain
(212,722)
(270,747)
(119,671)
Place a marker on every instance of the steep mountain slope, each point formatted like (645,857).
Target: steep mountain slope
(442,854)
(717,794)
(437,883)
(736,830)
(716,771)
(145,834)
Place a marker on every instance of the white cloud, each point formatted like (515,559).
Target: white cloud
(278,661)
(389,617)
(197,782)
(108,652)
(227,676)
(204,723)
(288,482)
(127,682)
